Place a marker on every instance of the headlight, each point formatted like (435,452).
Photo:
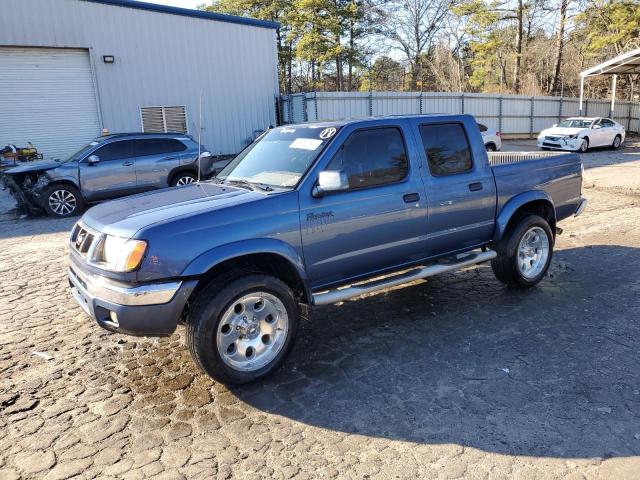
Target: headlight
(572,137)
(121,254)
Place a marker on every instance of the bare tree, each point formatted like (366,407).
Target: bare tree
(559,46)
(413,26)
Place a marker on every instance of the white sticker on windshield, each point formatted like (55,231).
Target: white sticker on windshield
(288,130)
(306,143)
(327,133)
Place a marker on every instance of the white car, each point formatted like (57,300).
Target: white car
(492,140)
(581,133)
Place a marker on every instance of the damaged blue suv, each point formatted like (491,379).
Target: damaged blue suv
(112,166)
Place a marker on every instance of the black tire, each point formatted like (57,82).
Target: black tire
(54,205)
(208,310)
(183,178)
(584,146)
(545,148)
(617,142)
(490,147)
(505,265)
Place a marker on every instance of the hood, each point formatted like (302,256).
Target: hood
(124,217)
(562,131)
(40,166)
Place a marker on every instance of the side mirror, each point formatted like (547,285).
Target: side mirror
(93,159)
(554,125)
(330,181)
(596,127)
(206,155)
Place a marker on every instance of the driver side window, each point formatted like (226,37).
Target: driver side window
(372,157)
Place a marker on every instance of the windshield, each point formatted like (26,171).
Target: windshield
(575,123)
(280,157)
(77,153)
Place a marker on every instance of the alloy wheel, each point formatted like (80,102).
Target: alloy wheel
(62,202)
(252,331)
(533,252)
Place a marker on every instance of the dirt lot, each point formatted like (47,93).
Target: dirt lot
(456,377)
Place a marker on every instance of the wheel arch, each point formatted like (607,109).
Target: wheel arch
(268,255)
(536,202)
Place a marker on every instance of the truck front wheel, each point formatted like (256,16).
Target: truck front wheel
(244,330)
(524,253)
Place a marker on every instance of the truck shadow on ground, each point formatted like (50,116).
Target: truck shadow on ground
(552,371)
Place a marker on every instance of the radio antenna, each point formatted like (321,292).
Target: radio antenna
(199,134)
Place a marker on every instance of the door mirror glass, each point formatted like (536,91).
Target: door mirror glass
(93,159)
(206,155)
(331,181)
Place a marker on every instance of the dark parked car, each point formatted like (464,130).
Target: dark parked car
(111,166)
(311,215)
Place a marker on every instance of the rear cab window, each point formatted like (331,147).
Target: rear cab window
(372,157)
(447,149)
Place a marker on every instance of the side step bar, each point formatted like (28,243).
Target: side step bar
(344,293)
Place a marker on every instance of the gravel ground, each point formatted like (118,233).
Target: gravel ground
(456,377)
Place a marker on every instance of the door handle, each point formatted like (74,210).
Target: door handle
(474,187)
(127,164)
(411,198)
(448,202)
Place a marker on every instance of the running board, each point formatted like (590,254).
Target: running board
(351,291)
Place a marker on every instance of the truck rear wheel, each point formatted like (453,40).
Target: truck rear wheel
(244,330)
(524,253)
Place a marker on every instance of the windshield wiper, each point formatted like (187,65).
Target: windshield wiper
(249,185)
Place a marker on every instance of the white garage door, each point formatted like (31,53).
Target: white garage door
(47,98)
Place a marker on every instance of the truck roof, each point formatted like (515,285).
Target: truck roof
(342,123)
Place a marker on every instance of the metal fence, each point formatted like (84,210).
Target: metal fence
(510,114)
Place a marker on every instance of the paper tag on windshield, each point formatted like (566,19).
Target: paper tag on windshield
(306,143)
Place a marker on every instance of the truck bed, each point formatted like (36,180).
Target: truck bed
(559,174)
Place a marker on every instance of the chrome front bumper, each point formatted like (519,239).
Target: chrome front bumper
(149,310)
(100,287)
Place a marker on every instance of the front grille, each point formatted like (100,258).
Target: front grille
(553,139)
(83,239)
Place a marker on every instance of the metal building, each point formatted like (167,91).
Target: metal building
(69,68)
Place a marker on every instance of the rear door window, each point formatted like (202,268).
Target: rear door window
(447,148)
(115,151)
(158,146)
(372,157)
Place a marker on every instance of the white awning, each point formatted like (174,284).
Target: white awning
(622,64)
(625,64)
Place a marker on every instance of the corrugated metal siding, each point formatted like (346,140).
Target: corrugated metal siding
(47,97)
(510,114)
(161,59)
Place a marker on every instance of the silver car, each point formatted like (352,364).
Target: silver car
(111,166)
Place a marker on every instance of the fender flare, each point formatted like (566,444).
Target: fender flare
(211,258)
(514,203)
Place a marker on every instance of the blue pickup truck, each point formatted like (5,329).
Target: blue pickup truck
(316,214)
